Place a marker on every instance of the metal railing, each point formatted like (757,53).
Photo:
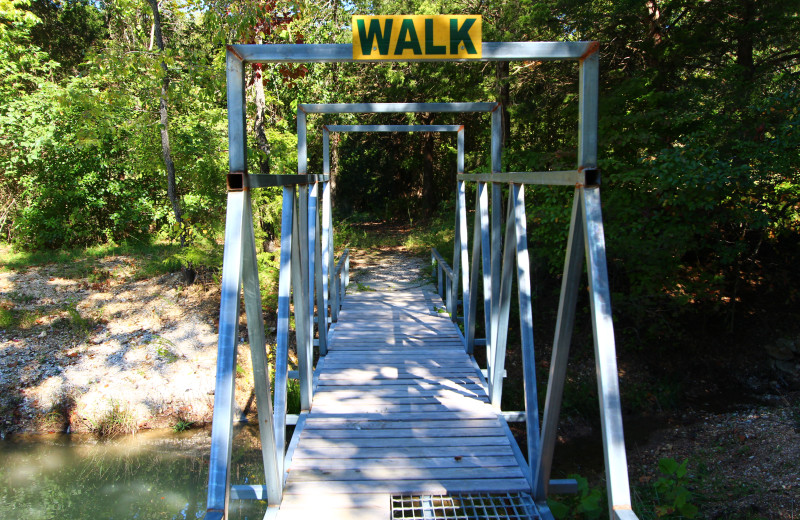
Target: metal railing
(445,284)
(305,278)
(341,279)
(497,274)
(500,256)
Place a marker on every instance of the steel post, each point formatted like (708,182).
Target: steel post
(219,478)
(282,351)
(497,219)
(500,331)
(258,356)
(517,198)
(222,421)
(326,258)
(605,353)
(477,246)
(565,322)
(461,254)
(302,143)
(460,151)
(320,265)
(300,297)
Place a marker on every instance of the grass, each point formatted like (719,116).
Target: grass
(419,238)
(164,348)
(151,259)
(182,425)
(118,419)
(21,319)
(293,396)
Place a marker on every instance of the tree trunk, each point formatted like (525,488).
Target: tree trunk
(744,43)
(334,150)
(504,97)
(261,112)
(655,31)
(172,191)
(428,201)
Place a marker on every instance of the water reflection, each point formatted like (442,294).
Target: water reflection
(152,475)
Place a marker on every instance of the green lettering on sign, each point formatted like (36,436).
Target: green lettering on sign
(407,39)
(430,47)
(374,34)
(439,37)
(461,35)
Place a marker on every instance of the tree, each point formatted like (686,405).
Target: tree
(172,191)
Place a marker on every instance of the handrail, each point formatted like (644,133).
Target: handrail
(345,257)
(447,285)
(340,279)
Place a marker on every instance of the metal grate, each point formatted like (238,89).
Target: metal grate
(479,506)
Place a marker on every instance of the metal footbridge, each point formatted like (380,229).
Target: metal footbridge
(397,418)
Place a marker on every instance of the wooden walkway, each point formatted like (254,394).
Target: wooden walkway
(399,408)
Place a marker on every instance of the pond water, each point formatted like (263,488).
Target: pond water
(152,475)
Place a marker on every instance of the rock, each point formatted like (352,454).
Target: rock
(780,351)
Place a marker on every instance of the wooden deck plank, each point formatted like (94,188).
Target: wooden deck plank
(402,433)
(398,408)
(425,473)
(428,486)
(387,424)
(452,415)
(351,452)
(408,442)
(407,462)
(391,392)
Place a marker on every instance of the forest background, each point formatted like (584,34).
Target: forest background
(113,129)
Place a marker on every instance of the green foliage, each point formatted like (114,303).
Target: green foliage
(9,319)
(362,288)
(588,503)
(293,396)
(117,419)
(674,497)
(698,137)
(182,425)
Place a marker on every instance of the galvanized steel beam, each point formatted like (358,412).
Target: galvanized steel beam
(477,246)
(517,200)
(267,181)
(343,52)
(300,295)
(326,258)
(553,178)
(502,310)
(461,255)
(222,421)
(320,264)
(258,355)
(388,108)
(605,353)
(282,340)
(565,322)
(392,128)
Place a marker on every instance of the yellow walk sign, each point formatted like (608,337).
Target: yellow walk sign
(417,37)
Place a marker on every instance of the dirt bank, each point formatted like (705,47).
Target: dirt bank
(104,351)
